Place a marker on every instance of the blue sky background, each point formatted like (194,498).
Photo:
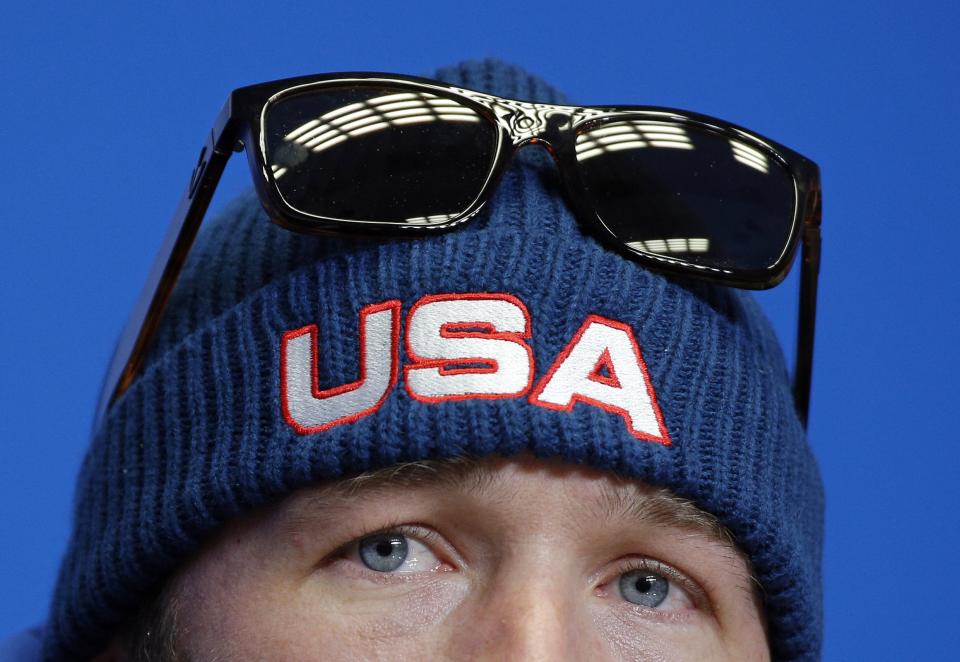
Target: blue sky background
(105,105)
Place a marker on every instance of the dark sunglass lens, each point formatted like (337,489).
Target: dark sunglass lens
(686,192)
(378,154)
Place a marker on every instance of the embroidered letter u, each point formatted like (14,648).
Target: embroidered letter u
(307,407)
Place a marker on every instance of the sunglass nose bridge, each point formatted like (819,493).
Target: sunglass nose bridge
(541,142)
(530,122)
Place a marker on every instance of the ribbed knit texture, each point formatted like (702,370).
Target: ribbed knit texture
(200,438)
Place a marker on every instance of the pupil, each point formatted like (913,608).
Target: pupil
(644,584)
(385,548)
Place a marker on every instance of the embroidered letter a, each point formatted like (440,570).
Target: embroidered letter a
(309,409)
(602,366)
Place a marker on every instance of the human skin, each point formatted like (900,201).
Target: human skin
(516,559)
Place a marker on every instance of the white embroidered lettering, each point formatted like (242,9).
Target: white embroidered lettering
(306,407)
(468,346)
(602,366)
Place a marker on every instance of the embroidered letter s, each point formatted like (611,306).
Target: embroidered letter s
(468,346)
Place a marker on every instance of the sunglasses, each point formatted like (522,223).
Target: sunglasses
(377,155)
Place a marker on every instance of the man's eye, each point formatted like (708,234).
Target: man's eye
(395,552)
(653,590)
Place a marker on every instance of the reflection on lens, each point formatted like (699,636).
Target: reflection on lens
(684,191)
(366,152)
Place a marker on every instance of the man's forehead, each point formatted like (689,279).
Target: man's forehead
(604,496)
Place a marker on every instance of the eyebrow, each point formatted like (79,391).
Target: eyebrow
(464,474)
(620,499)
(659,506)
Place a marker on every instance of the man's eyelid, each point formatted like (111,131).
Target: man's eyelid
(437,545)
(347,514)
(429,537)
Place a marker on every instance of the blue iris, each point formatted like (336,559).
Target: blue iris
(383,552)
(644,588)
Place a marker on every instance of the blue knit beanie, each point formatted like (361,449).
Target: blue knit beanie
(207,432)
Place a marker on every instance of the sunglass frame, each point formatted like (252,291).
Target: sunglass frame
(240,126)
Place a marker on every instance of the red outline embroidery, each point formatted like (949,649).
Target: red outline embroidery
(534,398)
(463,330)
(394,306)
(609,379)
(450,330)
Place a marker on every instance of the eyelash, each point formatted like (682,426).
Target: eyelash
(427,536)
